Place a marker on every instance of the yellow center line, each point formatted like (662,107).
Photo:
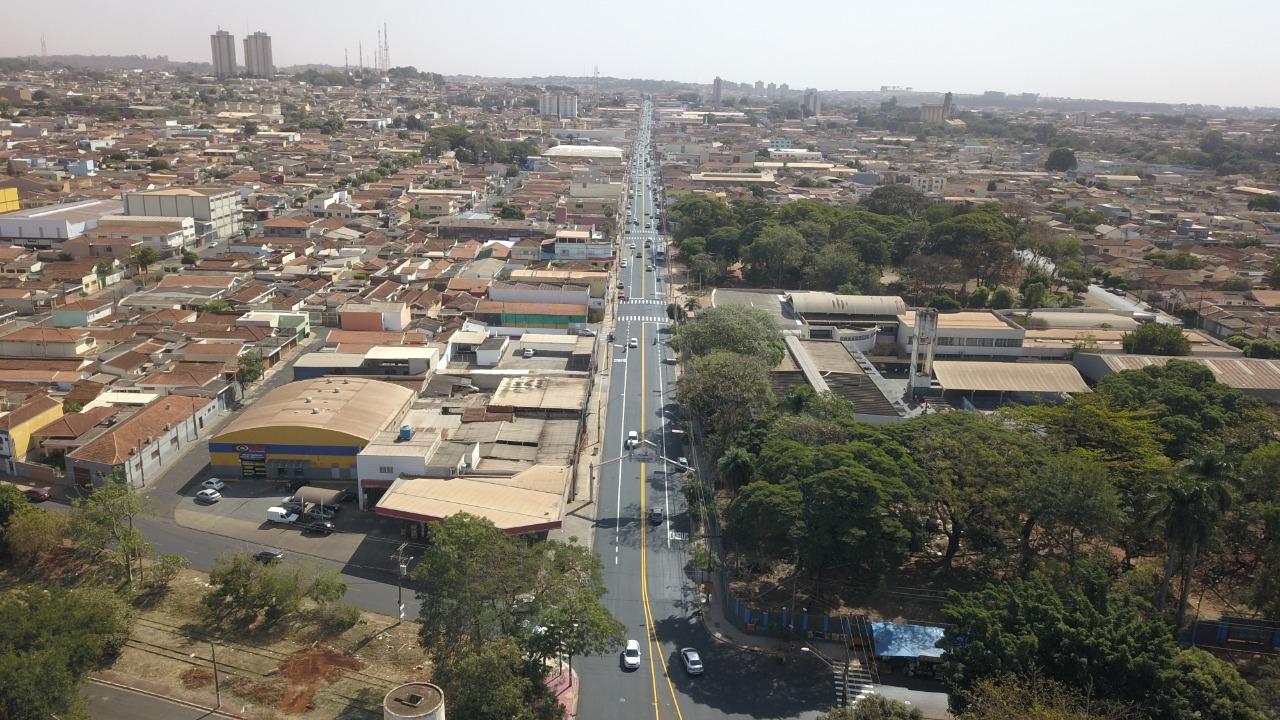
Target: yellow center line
(654,646)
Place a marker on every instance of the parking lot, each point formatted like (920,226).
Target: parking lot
(242,514)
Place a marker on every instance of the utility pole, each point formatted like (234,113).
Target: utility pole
(401,567)
(217,686)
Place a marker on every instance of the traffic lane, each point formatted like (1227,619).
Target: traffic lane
(111,703)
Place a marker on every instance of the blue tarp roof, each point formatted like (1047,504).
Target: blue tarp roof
(906,641)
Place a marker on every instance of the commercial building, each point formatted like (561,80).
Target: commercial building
(223,44)
(216,210)
(258,62)
(310,429)
(530,501)
(142,445)
(46,227)
(166,235)
(598,154)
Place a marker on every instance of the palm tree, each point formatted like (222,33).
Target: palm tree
(692,304)
(1191,506)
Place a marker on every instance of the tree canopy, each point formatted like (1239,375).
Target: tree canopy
(1156,339)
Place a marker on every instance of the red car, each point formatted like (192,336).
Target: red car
(622,295)
(36,495)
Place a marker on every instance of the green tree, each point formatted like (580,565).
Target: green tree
(31,533)
(735,468)
(732,328)
(725,390)
(776,257)
(159,164)
(944,303)
(725,242)
(1061,160)
(1156,339)
(12,500)
(249,367)
(969,468)
(511,688)
(896,199)
(144,257)
(1001,299)
(1087,640)
(875,707)
(1191,507)
(690,247)
(835,266)
(1070,500)
(1035,295)
(103,523)
(1265,203)
(244,593)
(190,258)
(1194,411)
(1032,697)
(216,306)
(50,639)
(981,240)
(250,129)
(510,212)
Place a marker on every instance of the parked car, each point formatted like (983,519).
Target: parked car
(281,515)
(266,556)
(586,332)
(36,495)
(631,655)
(208,495)
(213,483)
(345,496)
(692,661)
(683,462)
(320,527)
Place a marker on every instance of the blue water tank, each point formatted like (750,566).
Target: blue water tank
(406,433)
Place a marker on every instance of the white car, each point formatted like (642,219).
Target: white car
(528,352)
(633,438)
(631,655)
(208,495)
(692,661)
(624,263)
(213,484)
(633,343)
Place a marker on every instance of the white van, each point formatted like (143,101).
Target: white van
(280,515)
(633,439)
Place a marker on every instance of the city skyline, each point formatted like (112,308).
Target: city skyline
(1007,46)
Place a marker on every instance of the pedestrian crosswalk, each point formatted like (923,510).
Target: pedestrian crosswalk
(642,318)
(644,301)
(852,683)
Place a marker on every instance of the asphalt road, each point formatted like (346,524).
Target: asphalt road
(111,703)
(644,560)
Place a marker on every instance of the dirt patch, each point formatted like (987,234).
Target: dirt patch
(317,663)
(297,699)
(194,678)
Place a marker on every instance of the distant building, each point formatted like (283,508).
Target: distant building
(563,105)
(716,89)
(216,210)
(771,90)
(759,88)
(223,44)
(812,104)
(932,114)
(257,56)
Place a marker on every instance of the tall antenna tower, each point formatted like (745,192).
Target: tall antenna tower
(596,85)
(346,63)
(386,49)
(360,48)
(44,49)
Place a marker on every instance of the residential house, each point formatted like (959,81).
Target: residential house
(139,447)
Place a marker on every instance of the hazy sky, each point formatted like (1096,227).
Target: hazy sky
(1156,50)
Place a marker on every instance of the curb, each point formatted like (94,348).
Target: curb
(166,698)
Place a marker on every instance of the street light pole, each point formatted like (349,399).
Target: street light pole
(401,566)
